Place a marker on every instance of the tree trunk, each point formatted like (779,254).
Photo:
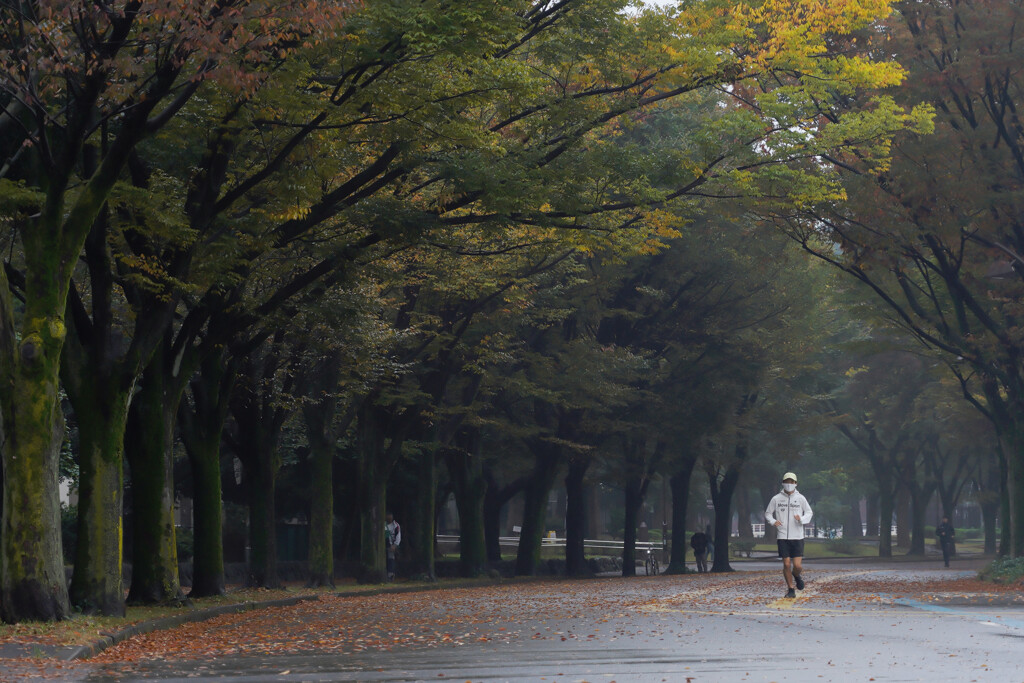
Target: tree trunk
(988,500)
(320,418)
(495,499)
(576,518)
(259,419)
(32,430)
(207,530)
(633,499)
(261,478)
(149,447)
(96,584)
(423,525)
(465,468)
(885,510)
(321,511)
(535,507)
(1014,520)
(853,524)
(372,505)
(1005,513)
(918,504)
(201,428)
(721,497)
(372,497)
(680,483)
(32,582)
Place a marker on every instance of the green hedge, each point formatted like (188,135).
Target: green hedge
(1004,570)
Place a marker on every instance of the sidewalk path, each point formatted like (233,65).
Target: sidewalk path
(851,622)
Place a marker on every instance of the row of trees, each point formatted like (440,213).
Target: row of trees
(937,236)
(417,224)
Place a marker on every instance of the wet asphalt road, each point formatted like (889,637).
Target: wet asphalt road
(850,624)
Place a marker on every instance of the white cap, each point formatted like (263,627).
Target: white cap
(789,475)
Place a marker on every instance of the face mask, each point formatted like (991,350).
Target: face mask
(789,488)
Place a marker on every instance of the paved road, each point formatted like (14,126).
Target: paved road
(850,624)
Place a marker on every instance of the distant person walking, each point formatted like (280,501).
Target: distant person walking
(711,542)
(392,539)
(699,543)
(947,537)
(788,512)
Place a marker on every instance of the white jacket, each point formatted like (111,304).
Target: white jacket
(784,508)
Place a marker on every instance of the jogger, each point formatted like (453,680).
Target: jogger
(788,512)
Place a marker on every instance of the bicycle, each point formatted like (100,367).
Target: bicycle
(651,563)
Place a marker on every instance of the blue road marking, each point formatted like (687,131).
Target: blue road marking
(916,604)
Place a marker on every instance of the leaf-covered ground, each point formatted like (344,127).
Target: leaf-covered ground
(597,612)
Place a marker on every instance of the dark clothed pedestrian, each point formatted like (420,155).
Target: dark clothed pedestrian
(699,543)
(946,535)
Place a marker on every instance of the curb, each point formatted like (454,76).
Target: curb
(111,639)
(468,583)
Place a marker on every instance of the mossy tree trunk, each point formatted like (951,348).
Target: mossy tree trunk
(381,431)
(33,584)
(149,446)
(372,497)
(321,513)
(101,367)
(101,409)
(96,584)
(535,506)
(201,426)
(74,184)
(322,432)
(373,478)
(32,430)
(423,526)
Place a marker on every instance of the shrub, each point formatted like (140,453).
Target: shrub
(1004,570)
(742,546)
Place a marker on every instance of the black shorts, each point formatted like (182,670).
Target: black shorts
(791,547)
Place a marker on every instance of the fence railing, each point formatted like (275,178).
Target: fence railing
(555,542)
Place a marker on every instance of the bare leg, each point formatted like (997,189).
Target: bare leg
(798,566)
(787,571)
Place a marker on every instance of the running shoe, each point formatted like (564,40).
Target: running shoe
(799,582)
(791,593)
